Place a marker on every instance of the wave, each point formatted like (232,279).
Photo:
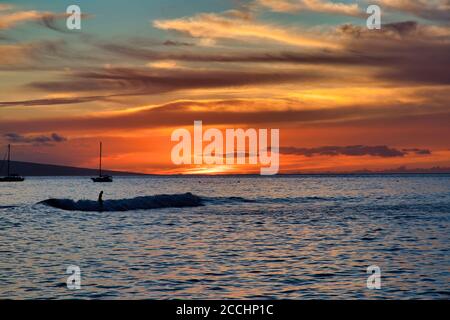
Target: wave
(226,200)
(307,199)
(138,203)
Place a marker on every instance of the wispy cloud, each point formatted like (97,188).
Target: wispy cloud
(319,57)
(5,6)
(227,112)
(145,81)
(438,10)
(290,6)
(10,17)
(51,101)
(230,26)
(417,151)
(404,40)
(41,140)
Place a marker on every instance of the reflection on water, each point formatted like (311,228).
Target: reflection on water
(284,237)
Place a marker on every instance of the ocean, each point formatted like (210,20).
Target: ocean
(284,237)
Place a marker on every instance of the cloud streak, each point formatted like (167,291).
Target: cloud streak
(42,140)
(230,26)
(140,81)
(10,20)
(355,151)
(401,43)
(295,57)
(290,6)
(223,112)
(437,10)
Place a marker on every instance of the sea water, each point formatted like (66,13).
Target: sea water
(285,237)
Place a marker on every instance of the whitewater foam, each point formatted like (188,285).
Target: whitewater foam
(138,203)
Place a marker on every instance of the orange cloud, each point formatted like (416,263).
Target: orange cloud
(290,6)
(225,26)
(4,6)
(346,86)
(11,19)
(12,54)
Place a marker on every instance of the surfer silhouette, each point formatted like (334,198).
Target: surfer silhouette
(100,199)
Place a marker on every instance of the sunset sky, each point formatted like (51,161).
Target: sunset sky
(344,97)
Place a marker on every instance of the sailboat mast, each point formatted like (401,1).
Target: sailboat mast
(100,171)
(9,157)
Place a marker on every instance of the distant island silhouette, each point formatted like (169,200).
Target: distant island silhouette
(40,169)
(399,170)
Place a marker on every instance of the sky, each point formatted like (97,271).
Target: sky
(345,98)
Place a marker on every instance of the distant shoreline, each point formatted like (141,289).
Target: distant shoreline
(30,169)
(250,175)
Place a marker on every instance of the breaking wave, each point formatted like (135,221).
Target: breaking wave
(308,199)
(138,203)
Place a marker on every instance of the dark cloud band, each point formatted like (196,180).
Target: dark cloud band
(356,150)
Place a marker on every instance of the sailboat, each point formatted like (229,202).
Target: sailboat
(102,178)
(11,177)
